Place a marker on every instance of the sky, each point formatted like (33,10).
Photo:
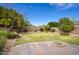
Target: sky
(42,13)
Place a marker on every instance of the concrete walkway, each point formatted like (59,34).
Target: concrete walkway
(44,48)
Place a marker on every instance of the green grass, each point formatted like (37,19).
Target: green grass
(70,39)
(47,36)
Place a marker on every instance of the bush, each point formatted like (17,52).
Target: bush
(66,25)
(3,34)
(66,28)
(12,35)
(46,28)
(41,29)
(2,43)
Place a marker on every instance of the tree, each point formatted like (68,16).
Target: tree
(66,25)
(66,28)
(3,12)
(10,17)
(52,24)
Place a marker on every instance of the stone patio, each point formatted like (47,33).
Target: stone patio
(44,48)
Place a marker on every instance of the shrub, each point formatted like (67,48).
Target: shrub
(2,43)
(3,34)
(41,29)
(66,28)
(12,35)
(46,28)
(66,25)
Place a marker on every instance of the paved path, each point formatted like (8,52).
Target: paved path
(44,48)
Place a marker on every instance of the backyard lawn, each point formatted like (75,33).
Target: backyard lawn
(47,36)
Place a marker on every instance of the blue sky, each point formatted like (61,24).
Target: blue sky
(42,13)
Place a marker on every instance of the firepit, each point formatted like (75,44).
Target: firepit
(59,44)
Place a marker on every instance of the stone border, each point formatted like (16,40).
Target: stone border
(9,44)
(59,44)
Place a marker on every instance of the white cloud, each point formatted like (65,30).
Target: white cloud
(67,6)
(62,6)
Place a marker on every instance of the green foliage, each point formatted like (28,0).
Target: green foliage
(65,21)
(3,34)
(46,28)
(5,22)
(12,35)
(66,28)
(66,25)
(52,24)
(10,17)
(47,36)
